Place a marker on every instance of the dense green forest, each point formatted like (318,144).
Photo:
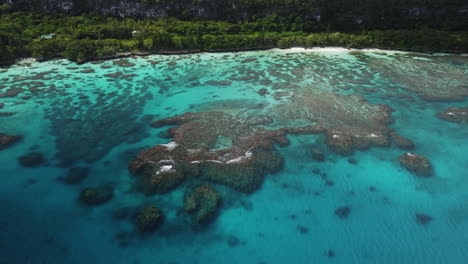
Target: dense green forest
(338,14)
(377,24)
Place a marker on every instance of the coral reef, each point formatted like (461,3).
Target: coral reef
(89,128)
(202,203)
(455,114)
(237,150)
(416,164)
(160,177)
(432,80)
(96,195)
(217,147)
(32,159)
(148,219)
(8,140)
(349,122)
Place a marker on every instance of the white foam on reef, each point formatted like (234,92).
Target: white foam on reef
(372,135)
(26,60)
(247,155)
(410,154)
(165,168)
(215,161)
(329,49)
(170,146)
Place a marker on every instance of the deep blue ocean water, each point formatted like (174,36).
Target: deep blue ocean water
(89,119)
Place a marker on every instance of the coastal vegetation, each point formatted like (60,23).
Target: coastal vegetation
(88,36)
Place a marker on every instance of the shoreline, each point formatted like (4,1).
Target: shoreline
(187,52)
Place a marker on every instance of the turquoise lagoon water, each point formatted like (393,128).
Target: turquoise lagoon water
(89,119)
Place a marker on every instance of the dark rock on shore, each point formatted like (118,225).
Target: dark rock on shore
(96,195)
(455,115)
(202,203)
(148,219)
(7,140)
(416,164)
(32,159)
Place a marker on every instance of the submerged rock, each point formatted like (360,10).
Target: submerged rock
(262,91)
(96,195)
(233,241)
(12,92)
(113,75)
(218,83)
(87,71)
(8,140)
(302,229)
(75,175)
(318,155)
(148,219)
(455,115)
(423,219)
(343,211)
(402,142)
(32,159)
(123,63)
(202,203)
(416,164)
(248,60)
(7,114)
